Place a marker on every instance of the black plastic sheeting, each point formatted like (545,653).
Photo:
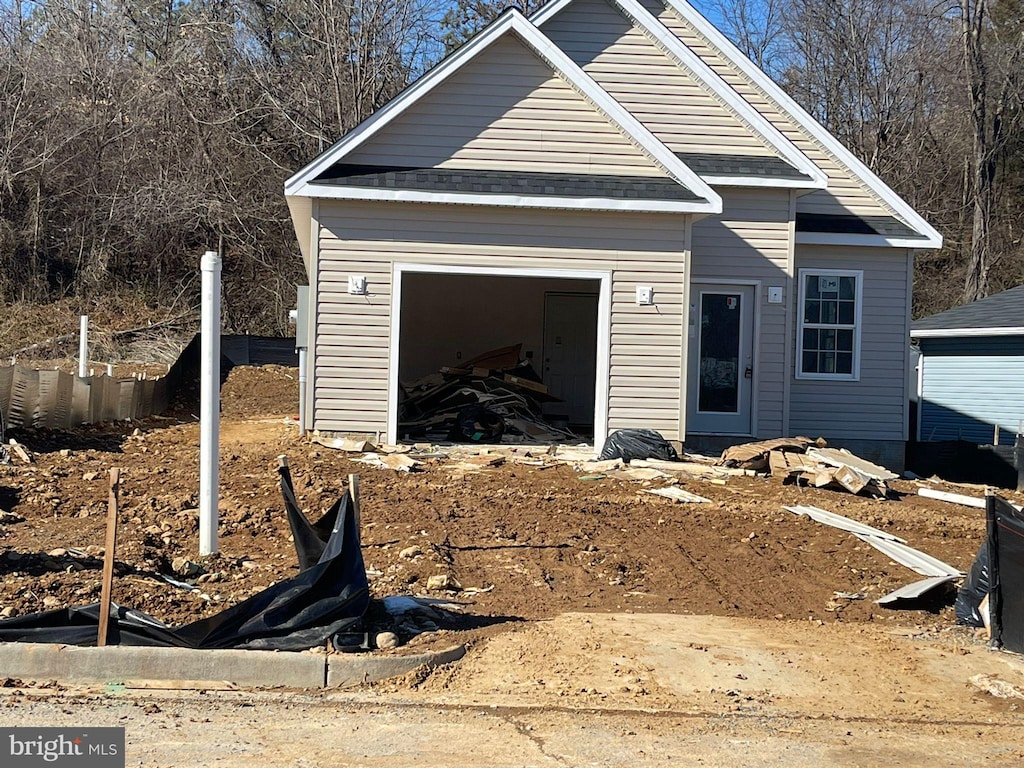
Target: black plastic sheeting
(328,596)
(629,444)
(973,591)
(998,573)
(1006,559)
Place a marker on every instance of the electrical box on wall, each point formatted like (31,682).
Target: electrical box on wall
(357,285)
(775,295)
(644,295)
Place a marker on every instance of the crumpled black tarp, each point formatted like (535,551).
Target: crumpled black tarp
(629,444)
(329,595)
(974,589)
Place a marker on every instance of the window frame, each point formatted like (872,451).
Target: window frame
(858,275)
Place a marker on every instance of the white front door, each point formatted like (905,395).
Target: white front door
(721,365)
(570,353)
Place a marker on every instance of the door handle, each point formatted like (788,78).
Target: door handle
(749,373)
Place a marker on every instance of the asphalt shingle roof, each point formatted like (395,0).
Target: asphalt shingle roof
(1002,310)
(886,226)
(506,182)
(740,165)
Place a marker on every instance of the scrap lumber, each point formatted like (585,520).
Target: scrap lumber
(20,451)
(678,495)
(348,444)
(953,498)
(840,457)
(107,580)
(755,455)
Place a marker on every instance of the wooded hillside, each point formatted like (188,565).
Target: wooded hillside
(135,134)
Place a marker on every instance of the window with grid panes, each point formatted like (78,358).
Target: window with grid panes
(829,315)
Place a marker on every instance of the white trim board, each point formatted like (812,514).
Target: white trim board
(511,201)
(812,126)
(510,22)
(686,59)
(933,333)
(604,319)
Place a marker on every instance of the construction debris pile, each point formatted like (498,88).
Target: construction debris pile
(802,460)
(495,397)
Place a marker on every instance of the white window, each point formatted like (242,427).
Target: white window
(828,339)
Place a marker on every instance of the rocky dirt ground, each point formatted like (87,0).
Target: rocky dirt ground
(607,626)
(527,542)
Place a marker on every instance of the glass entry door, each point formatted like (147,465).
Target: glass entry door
(721,364)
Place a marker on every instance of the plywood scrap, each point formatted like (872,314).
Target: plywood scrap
(400,462)
(348,444)
(840,457)
(755,455)
(678,494)
(690,468)
(643,473)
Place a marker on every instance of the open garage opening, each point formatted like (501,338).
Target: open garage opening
(545,382)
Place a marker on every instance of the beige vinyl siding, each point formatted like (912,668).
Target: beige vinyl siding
(845,193)
(875,407)
(506,109)
(750,241)
(669,100)
(352,332)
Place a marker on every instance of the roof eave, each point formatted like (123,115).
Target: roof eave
(871,241)
(931,333)
(338,192)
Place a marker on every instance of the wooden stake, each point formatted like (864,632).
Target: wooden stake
(353,489)
(108,557)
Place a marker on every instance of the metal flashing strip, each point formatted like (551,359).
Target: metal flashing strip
(843,523)
(914,559)
(916,590)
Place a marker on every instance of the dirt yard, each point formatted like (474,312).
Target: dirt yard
(540,541)
(580,593)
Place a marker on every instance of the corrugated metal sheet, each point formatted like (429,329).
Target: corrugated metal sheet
(843,523)
(914,559)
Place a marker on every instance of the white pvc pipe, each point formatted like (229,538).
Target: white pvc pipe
(209,404)
(302,390)
(83,345)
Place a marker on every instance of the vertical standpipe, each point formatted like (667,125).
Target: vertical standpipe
(209,404)
(83,345)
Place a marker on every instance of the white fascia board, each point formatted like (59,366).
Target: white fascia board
(868,241)
(514,21)
(687,59)
(816,129)
(379,119)
(760,181)
(634,130)
(953,332)
(514,201)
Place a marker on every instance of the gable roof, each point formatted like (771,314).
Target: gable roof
(312,182)
(997,315)
(927,236)
(810,176)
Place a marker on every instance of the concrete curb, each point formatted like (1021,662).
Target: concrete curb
(344,670)
(248,669)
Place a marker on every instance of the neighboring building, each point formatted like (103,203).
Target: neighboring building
(613,184)
(971,371)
